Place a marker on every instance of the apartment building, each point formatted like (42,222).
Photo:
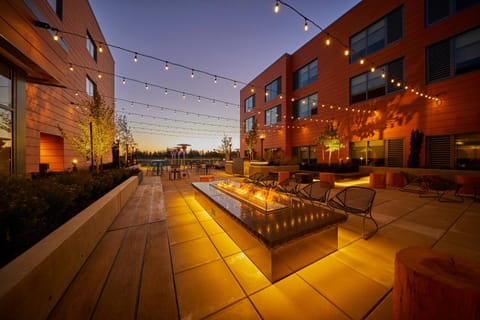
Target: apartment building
(358,89)
(52,56)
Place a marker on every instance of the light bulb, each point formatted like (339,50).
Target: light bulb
(277,7)
(327,41)
(362,61)
(305,26)
(146,86)
(166,65)
(100,49)
(135,58)
(123,81)
(235,84)
(56,36)
(166,91)
(71,67)
(372,69)
(193,74)
(346,52)
(215,80)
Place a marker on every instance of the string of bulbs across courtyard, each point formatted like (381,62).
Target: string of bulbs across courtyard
(211,125)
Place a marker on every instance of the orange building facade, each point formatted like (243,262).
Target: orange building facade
(43,81)
(357,90)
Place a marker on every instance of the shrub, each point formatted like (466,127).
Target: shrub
(32,208)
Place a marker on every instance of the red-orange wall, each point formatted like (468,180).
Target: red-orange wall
(397,113)
(55,104)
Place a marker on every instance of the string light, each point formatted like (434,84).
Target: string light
(124,78)
(215,80)
(277,7)
(305,26)
(136,54)
(192,75)
(146,86)
(166,65)
(235,84)
(71,67)
(100,48)
(327,41)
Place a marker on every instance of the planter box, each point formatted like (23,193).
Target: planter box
(32,284)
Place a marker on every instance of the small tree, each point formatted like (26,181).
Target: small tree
(124,134)
(331,140)
(97,130)
(251,140)
(227,147)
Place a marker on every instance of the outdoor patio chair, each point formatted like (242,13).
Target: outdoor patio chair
(288,186)
(267,181)
(254,178)
(437,187)
(316,191)
(358,201)
(414,183)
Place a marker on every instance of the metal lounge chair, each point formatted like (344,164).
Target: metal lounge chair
(414,183)
(254,178)
(437,187)
(288,186)
(316,191)
(358,201)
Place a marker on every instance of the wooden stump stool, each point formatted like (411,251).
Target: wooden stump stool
(327,176)
(395,179)
(433,285)
(377,180)
(206,178)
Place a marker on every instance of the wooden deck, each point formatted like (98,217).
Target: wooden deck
(121,278)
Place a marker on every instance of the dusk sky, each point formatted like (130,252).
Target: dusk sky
(236,40)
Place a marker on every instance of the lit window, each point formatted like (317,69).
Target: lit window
(91,46)
(377,36)
(305,75)
(57,6)
(273,89)
(370,85)
(249,103)
(249,124)
(305,107)
(90,87)
(441,63)
(273,115)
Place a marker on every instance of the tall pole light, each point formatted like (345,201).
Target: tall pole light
(262,137)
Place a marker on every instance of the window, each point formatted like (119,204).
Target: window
(305,107)
(273,89)
(305,75)
(437,10)
(385,79)
(57,6)
(249,123)
(273,115)
(377,36)
(90,87)
(91,46)
(6,116)
(249,103)
(467,155)
(305,154)
(457,55)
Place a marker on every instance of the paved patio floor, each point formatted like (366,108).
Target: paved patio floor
(165,258)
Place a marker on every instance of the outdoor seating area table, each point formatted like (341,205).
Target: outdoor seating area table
(174,174)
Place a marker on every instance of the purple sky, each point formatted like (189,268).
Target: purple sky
(236,39)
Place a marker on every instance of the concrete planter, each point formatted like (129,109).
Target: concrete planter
(31,285)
